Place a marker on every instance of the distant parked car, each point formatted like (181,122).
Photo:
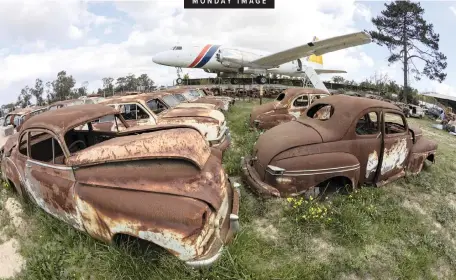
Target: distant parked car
(339,141)
(162,184)
(288,105)
(192,96)
(415,111)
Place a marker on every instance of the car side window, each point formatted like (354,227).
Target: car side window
(394,123)
(301,101)
(45,148)
(368,124)
(133,112)
(23,144)
(156,106)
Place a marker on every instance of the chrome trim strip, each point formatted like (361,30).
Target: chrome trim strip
(49,165)
(322,169)
(317,173)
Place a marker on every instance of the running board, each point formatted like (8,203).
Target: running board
(314,78)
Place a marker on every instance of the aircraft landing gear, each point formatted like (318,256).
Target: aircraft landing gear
(179,81)
(179,72)
(234,81)
(261,80)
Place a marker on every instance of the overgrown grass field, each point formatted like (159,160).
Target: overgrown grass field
(404,230)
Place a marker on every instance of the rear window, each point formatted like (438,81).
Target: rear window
(280,97)
(321,112)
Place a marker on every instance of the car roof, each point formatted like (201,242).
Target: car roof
(346,109)
(59,121)
(291,93)
(132,98)
(24,111)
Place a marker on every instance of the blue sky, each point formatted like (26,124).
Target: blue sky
(92,40)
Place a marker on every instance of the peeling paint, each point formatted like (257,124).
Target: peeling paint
(372,163)
(394,157)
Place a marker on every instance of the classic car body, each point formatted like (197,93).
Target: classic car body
(340,140)
(288,105)
(162,184)
(14,120)
(152,109)
(205,94)
(415,111)
(72,102)
(191,95)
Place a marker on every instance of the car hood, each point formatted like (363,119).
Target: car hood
(193,112)
(417,131)
(264,108)
(179,143)
(218,103)
(196,105)
(291,134)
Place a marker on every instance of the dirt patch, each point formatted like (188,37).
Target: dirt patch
(321,249)
(14,209)
(414,206)
(266,230)
(442,270)
(11,261)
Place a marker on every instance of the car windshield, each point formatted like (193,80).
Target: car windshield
(171,100)
(180,97)
(189,96)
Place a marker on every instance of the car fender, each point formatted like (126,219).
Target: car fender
(304,173)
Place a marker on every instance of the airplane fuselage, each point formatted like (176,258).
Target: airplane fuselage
(218,58)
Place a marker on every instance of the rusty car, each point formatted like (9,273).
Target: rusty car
(287,106)
(152,109)
(161,184)
(190,95)
(205,94)
(14,120)
(338,144)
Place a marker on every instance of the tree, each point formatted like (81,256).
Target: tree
(409,38)
(63,86)
(108,87)
(145,81)
(131,82)
(186,76)
(37,92)
(50,96)
(24,99)
(121,83)
(338,79)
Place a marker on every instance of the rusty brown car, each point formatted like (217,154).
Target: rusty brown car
(288,105)
(156,108)
(191,95)
(14,120)
(162,184)
(339,141)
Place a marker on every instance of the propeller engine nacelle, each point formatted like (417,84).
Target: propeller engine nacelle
(230,58)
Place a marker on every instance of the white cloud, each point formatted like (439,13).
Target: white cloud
(158,25)
(74,32)
(453,9)
(108,30)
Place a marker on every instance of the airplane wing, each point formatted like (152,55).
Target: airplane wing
(329,71)
(317,48)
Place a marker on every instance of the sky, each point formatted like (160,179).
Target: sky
(95,39)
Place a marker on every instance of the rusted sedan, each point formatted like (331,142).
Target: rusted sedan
(153,108)
(340,141)
(191,95)
(162,184)
(14,120)
(288,105)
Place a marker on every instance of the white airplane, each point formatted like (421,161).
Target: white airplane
(302,61)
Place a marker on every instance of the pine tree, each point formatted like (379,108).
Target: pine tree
(409,38)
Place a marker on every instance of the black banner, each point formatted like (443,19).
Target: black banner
(229,4)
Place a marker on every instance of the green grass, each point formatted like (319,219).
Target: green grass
(404,230)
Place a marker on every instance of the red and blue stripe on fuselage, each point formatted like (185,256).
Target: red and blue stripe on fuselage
(204,56)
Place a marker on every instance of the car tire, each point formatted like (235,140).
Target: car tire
(262,80)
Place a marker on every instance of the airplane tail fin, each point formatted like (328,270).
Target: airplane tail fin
(313,58)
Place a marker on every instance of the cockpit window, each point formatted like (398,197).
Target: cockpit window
(175,48)
(321,112)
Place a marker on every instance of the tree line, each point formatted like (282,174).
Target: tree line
(64,88)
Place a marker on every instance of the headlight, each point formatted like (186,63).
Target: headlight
(274,170)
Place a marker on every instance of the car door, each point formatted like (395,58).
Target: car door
(368,143)
(397,143)
(299,105)
(48,181)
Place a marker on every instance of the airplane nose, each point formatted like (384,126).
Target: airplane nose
(159,58)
